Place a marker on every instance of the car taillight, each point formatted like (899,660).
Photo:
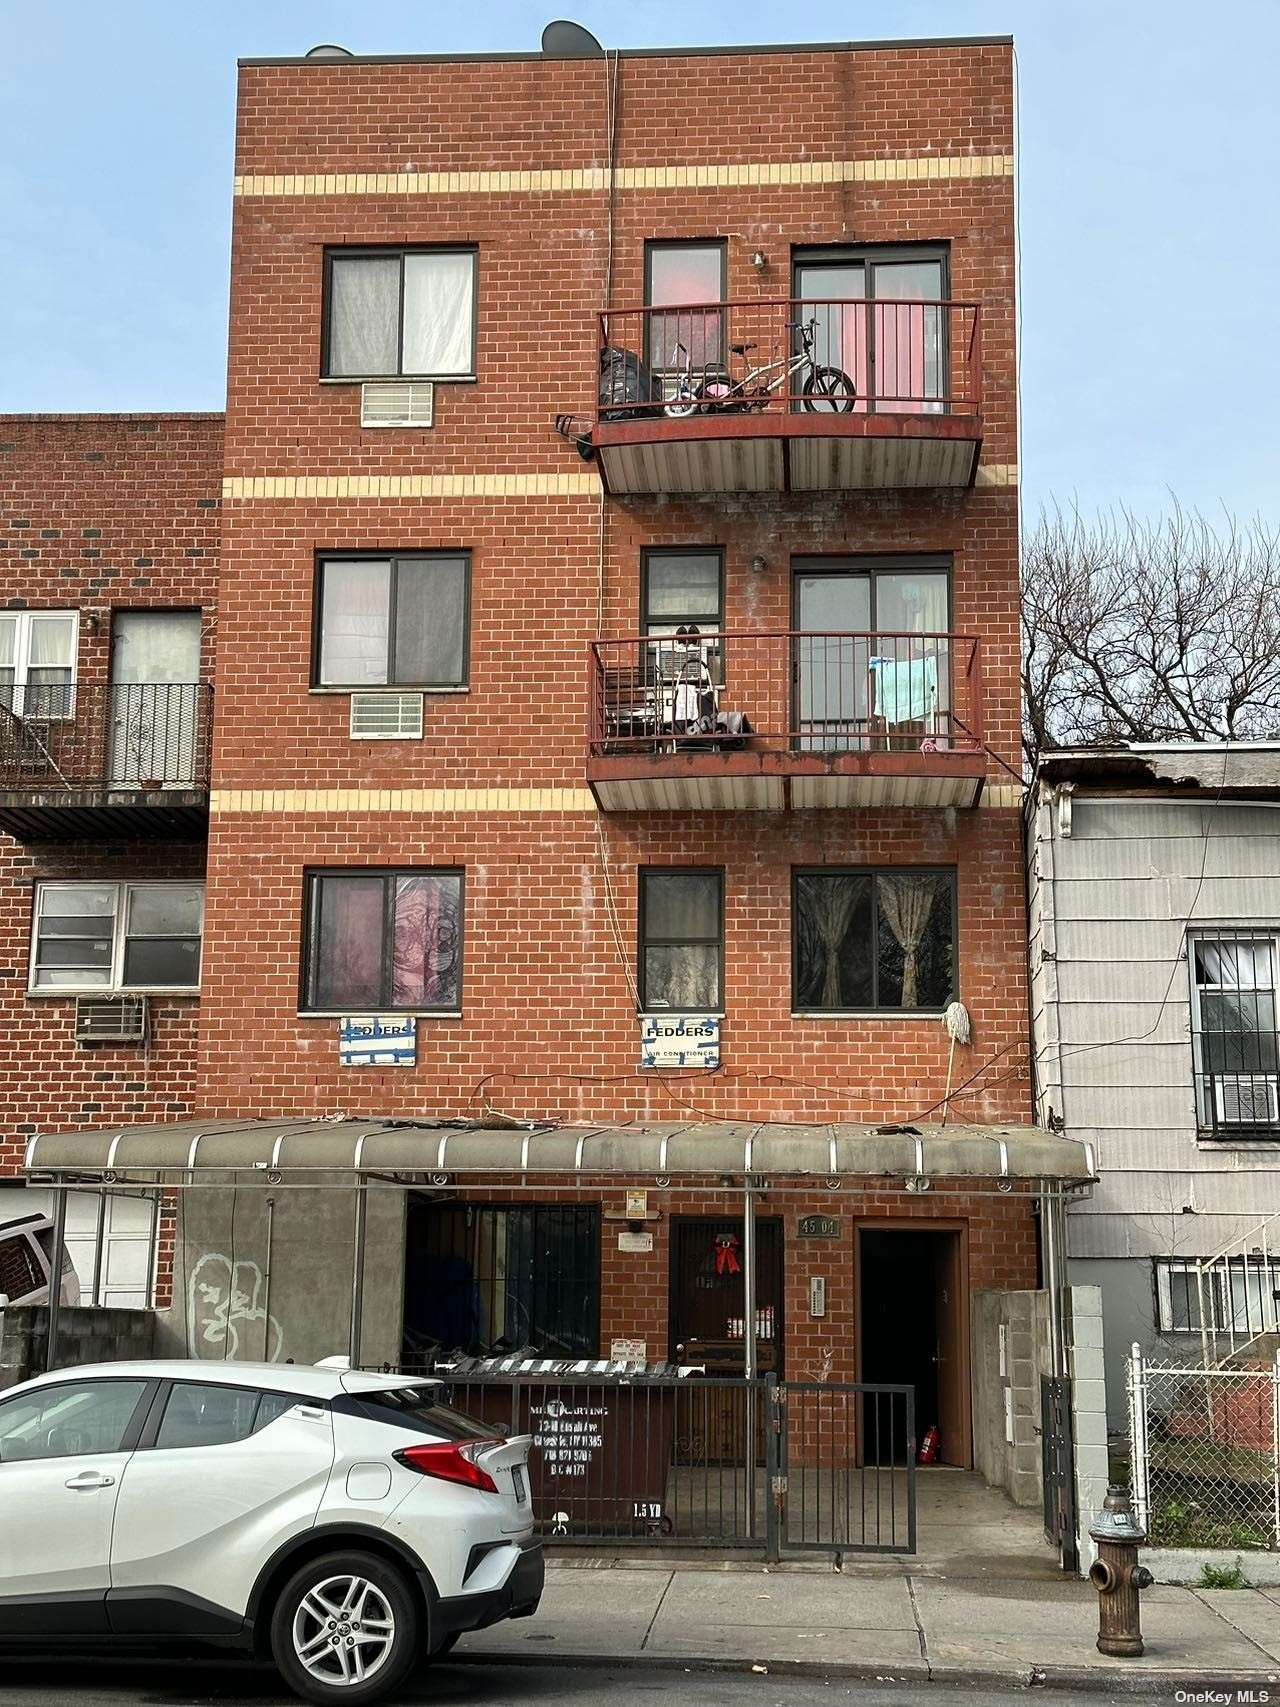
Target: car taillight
(451,1461)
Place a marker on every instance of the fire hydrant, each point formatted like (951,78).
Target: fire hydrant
(1117,1575)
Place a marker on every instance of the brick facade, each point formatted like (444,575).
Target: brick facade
(884,146)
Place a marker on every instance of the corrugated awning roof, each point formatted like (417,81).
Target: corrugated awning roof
(294,1147)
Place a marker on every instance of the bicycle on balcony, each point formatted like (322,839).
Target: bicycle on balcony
(819,389)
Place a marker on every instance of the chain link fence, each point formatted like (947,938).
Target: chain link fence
(1205,1454)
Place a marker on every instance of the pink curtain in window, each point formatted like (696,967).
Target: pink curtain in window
(425,969)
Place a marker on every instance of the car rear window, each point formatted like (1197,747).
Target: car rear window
(424,1410)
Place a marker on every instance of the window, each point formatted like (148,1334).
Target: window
(489,1278)
(681,940)
(383,941)
(865,941)
(417,1409)
(393,621)
(20,1271)
(401,313)
(1241,1298)
(37,662)
(199,1415)
(879,320)
(682,276)
(73,1419)
(1234,1043)
(681,590)
(117,936)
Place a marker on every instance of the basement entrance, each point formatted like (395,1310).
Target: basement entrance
(912,1327)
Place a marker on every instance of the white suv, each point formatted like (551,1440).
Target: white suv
(344,1524)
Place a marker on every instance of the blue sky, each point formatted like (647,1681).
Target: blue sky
(1148,141)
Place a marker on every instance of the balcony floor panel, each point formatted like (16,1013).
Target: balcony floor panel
(94,815)
(782,452)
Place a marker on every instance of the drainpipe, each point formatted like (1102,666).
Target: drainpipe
(357,1273)
(266,1283)
(750,1360)
(55,1276)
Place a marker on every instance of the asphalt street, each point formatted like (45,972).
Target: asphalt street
(115,1683)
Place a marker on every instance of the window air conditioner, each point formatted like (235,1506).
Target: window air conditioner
(111,1019)
(397,403)
(386,717)
(1247,1100)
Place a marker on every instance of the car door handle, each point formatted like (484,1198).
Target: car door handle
(88,1480)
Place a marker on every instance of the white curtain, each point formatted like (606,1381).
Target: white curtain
(353,624)
(437,313)
(364,294)
(907,905)
(830,906)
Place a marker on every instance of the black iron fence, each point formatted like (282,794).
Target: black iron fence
(136,736)
(672,1460)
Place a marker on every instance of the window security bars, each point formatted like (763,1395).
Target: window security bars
(1236,1045)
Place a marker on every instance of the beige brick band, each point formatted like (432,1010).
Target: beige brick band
(910,169)
(575,485)
(584,485)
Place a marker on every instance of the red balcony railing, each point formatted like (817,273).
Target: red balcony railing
(791,354)
(804,694)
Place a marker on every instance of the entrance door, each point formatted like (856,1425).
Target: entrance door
(879,318)
(155,698)
(911,1292)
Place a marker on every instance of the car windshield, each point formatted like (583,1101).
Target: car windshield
(424,1410)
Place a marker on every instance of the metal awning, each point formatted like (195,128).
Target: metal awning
(431,1150)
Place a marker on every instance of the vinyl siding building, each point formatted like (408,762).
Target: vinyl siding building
(1154,924)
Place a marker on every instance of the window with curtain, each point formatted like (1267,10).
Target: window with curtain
(393,621)
(37,662)
(681,940)
(394,313)
(1234,1038)
(865,941)
(679,277)
(879,318)
(383,941)
(107,937)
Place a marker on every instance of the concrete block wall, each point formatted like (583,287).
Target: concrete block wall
(1009,1463)
(84,1336)
(1088,1407)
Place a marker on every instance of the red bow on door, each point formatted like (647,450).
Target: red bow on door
(726,1260)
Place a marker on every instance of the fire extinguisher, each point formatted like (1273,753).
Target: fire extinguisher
(929,1445)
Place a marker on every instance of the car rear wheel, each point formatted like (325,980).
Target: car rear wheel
(345,1628)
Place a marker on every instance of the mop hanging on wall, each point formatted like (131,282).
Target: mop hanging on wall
(955,1022)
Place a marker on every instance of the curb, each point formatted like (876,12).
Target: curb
(1116,1682)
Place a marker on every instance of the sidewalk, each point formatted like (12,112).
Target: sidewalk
(887,1619)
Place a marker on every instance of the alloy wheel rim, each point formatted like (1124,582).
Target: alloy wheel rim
(343,1630)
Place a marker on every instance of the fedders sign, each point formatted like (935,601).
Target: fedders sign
(679,1040)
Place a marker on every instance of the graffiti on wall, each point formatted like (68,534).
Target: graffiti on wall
(226,1313)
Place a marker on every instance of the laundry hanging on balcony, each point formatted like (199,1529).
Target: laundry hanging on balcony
(906,689)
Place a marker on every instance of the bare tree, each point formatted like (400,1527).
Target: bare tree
(1149,631)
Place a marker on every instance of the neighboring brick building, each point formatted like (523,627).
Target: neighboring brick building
(802,817)
(106,521)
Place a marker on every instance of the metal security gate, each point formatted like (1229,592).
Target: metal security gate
(668,1461)
(842,1471)
(1059,1469)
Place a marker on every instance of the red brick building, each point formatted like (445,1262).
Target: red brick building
(616,621)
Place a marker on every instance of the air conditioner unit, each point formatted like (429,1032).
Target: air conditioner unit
(111,1019)
(386,717)
(1247,1100)
(398,403)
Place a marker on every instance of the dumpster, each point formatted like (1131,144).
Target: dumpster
(603,1436)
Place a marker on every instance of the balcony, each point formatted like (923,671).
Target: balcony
(83,761)
(786,395)
(785,721)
